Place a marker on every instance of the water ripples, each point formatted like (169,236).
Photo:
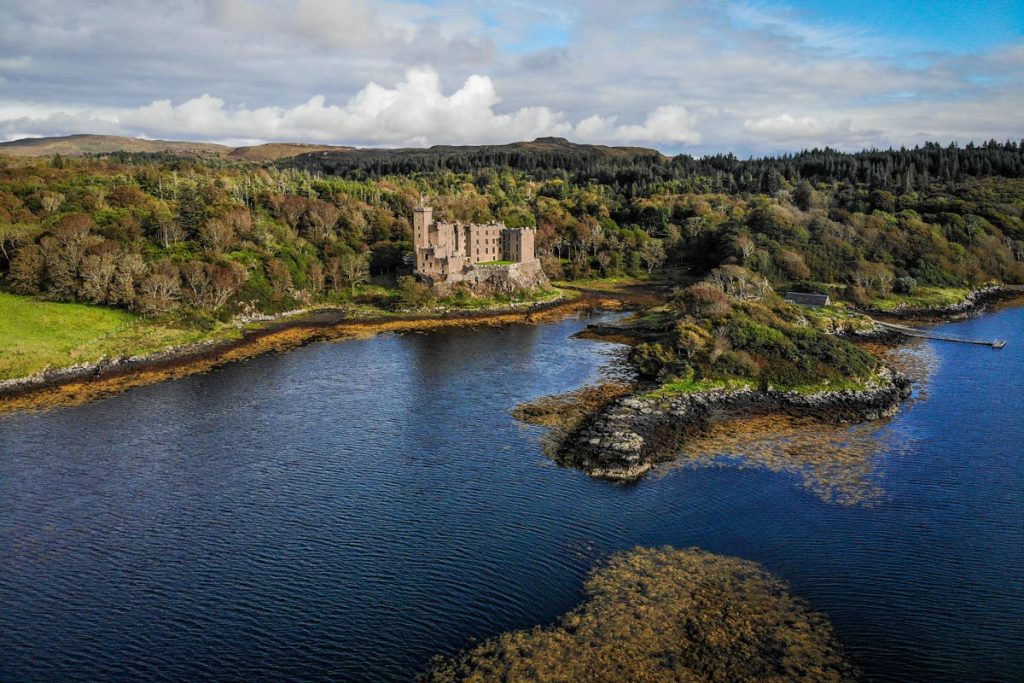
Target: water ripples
(347,510)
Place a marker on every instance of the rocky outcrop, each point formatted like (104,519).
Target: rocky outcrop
(631,434)
(496,279)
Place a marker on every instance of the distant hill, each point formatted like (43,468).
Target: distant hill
(272,151)
(543,154)
(78,145)
(548,154)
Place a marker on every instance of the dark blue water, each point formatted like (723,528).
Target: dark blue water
(346,510)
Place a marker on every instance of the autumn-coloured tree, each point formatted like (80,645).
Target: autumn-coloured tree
(196,281)
(355,270)
(217,235)
(321,217)
(225,281)
(159,290)
(291,209)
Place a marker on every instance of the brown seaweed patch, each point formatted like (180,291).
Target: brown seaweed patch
(561,413)
(916,360)
(619,338)
(837,462)
(661,614)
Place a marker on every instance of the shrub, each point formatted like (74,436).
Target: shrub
(412,293)
(759,339)
(653,360)
(736,364)
(904,285)
(703,300)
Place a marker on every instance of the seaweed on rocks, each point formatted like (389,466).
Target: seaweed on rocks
(630,435)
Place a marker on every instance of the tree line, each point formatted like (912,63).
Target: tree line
(171,234)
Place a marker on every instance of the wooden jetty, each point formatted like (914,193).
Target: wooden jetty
(925,334)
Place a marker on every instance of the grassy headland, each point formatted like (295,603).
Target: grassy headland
(921,298)
(732,331)
(36,335)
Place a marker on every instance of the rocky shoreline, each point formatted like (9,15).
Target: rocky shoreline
(632,434)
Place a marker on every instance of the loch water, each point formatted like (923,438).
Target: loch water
(346,510)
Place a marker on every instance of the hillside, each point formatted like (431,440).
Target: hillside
(273,151)
(79,145)
(541,154)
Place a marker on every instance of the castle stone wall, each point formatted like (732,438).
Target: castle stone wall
(448,252)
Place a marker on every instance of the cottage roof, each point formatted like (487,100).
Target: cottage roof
(805,299)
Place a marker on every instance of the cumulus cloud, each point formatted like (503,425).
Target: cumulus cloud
(414,112)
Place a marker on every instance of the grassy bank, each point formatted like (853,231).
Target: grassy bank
(923,297)
(36,335)
(692,386)
(131,335)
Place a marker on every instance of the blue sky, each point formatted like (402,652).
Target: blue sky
(936,25)
(749,77)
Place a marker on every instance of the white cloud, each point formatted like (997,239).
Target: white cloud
(414,112)
(668,123)
(788,127)
(677,75)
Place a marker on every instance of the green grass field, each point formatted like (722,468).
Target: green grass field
(35,334)
(923,297)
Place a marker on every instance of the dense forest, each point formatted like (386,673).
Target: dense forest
(634,172)
(161,233)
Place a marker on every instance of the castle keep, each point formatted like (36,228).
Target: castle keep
(452,252)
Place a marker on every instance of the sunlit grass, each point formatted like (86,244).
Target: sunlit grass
(923,297)
(36,335)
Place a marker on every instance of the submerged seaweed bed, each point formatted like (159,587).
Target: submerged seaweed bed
(661,614)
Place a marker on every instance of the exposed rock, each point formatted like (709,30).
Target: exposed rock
(631,434)
(495,279)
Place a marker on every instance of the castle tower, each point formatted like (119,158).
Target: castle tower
(422,218)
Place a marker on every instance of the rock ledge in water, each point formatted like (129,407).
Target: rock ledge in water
(631,434)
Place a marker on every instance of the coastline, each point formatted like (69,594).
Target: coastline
(975,302)
(630,435)
(81,383)
(85,382)
(623,439)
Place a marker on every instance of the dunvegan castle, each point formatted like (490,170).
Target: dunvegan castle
(486,256)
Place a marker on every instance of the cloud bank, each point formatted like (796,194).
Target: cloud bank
(414,112)
(680,76)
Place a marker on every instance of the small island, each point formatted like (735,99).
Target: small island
(724,347)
